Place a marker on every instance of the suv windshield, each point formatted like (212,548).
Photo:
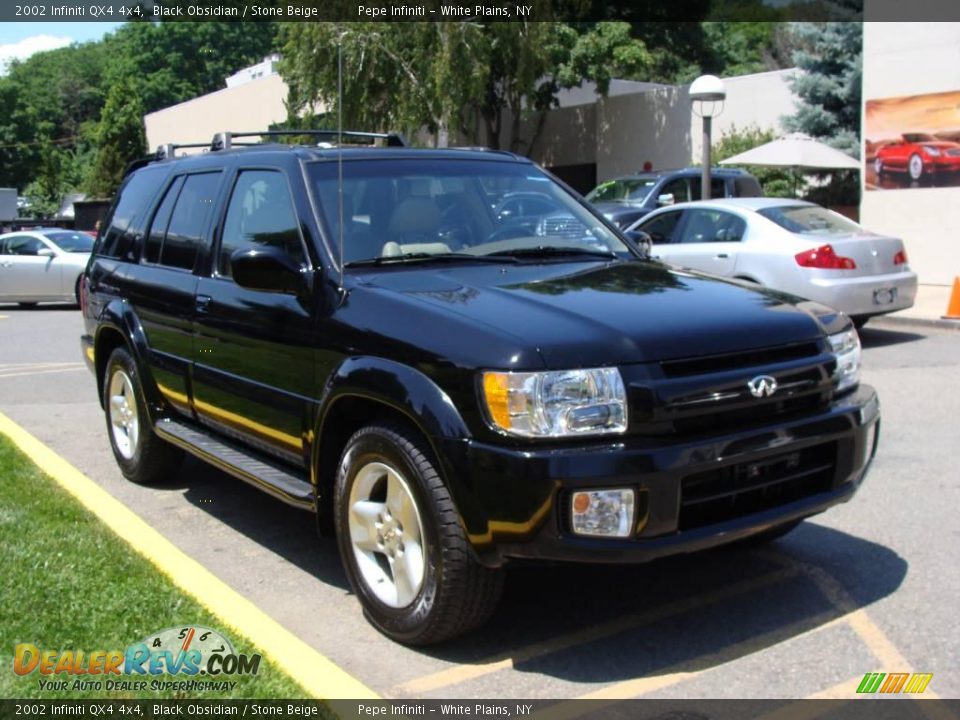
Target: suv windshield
(810,220)
(634,190)
(462,209)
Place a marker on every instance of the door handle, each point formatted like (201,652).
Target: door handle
(722,256)
(203,303)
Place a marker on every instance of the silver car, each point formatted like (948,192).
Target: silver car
(788,245)
(42,265)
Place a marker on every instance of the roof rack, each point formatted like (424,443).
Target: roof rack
(167,150)
(225,140)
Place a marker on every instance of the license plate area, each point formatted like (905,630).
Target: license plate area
(884,296)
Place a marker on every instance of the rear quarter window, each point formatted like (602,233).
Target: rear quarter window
(125,222)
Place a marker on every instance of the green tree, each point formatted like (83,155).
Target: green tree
(169,62)
(830,56)
(120,139)
(485,83)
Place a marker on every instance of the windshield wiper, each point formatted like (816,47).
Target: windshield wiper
(552,251)
(425,257)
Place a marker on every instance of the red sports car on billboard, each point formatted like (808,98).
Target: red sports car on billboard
(919,155)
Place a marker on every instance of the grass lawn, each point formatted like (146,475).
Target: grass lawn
(68,583)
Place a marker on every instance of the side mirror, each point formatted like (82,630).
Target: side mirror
(641,241)
(269,269)
(665,199)
(45,252)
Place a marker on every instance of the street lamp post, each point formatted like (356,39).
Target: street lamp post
(707,94)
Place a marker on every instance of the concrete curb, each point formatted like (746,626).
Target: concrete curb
(942,324)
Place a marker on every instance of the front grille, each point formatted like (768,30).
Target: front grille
(751,416)
(737,490)
(751,358)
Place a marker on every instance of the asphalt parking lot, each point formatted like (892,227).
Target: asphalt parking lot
(870,586)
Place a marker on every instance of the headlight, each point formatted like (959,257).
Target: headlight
(846,348)
(932,151)
(556,404)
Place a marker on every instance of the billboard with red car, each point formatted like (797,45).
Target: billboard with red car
(912,141)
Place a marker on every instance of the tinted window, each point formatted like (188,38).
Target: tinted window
(260,213)
(160,222)
(712,226)
(21,245)
(678,188)
(661,228)
(72,241)
(185,233)
(126,219)
(718,188)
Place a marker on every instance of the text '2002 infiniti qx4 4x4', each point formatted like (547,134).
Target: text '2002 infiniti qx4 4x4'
(356,331)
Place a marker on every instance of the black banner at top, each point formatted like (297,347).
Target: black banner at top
(645,11)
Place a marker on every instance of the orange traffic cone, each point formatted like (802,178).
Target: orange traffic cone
(953,307)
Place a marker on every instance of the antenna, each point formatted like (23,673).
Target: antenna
(340,148)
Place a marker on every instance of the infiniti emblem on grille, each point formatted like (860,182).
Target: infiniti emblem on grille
(762,386)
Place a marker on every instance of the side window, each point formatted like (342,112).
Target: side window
(730,228)
(22,245)
(260,213)
(188,221)
(712,226)
(125,221)
(160,222)
(661,229)
(718,188)
(679,188)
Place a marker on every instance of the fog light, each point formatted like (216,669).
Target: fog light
(602,513)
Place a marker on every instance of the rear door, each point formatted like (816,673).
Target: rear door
(164,292)
(254,351)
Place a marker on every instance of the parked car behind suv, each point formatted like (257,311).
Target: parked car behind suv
(450,388)
(624,200)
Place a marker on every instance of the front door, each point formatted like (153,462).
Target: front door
(253,374)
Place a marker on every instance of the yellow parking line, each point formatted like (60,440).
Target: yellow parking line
(316,673)
(462,673)
(42,371)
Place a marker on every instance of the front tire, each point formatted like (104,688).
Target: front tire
(915,167)
(142,456)
(401,541)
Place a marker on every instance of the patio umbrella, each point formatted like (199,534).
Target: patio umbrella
(797,151)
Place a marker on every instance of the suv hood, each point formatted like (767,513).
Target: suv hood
(589,314)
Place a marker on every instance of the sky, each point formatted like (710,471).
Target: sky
(19,40)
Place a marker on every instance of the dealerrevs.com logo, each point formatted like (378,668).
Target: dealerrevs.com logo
(182,652)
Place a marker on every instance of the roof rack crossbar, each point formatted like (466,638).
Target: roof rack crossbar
(224,140)
(167,150)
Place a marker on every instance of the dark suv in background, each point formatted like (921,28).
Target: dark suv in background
(625,200)
(389,338)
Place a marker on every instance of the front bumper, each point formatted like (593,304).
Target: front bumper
(513,500)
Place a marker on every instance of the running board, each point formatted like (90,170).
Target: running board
(285,484)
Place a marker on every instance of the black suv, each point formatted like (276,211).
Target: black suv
(359,333)
(624,200)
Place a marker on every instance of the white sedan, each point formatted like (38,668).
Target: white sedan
(788,245)
(42,265)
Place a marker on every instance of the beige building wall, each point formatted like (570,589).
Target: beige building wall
(902,59)
(652,126)
(254,105)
